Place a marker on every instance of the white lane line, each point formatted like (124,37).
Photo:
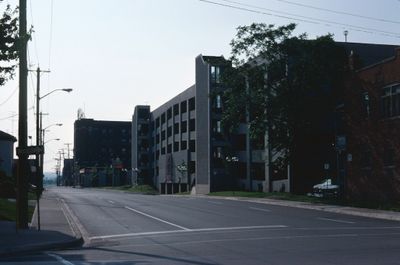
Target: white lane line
(60,259)
(111,202)
(156,218)
(336,220)
(259,209)
(219,203)
(189,231)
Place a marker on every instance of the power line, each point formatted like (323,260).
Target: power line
(340,12)
(256,11)
(9,97)
(349,26)
(14,115)
(316,19)
(9,117)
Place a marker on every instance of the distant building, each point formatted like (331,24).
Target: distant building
(102,149)
(372,112)
(68,172)
(6,153)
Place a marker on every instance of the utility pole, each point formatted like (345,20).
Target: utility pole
(22,177)
(248,142)
(68,149)
(39,157)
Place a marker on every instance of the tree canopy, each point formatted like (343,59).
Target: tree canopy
(8,44)
(292,82)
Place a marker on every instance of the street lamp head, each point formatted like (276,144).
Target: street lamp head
(67,90)
(59,124)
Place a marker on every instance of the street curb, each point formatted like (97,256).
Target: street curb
(41,247)
(362,212)
(75,225)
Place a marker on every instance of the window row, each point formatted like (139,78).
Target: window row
(174,111)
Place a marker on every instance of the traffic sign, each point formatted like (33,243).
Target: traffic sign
(31,150)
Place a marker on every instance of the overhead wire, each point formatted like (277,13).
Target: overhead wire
(311,20)
(10,96)
(339,12)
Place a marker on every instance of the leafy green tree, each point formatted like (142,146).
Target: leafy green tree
(289,84)
(8,44)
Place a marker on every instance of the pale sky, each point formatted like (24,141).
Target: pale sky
(121,53)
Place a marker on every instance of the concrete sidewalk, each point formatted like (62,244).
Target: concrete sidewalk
(364,212)
(57,230)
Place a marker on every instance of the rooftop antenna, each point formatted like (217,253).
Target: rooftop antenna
(346,32)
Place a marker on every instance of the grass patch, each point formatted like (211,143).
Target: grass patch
(143,189)
(8,210)
(304,198)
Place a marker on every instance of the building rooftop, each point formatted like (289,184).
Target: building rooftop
(7,137)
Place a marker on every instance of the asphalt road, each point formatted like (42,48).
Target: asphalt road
(122,228)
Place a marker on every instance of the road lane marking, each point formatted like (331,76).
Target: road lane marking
(156,218)
(111,202)
(60,259)
(219,203)
(259,209)
(336,220)
(189,231)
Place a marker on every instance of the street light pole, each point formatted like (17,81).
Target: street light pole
(39,140)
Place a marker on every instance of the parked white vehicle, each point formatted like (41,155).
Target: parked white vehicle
(326,189)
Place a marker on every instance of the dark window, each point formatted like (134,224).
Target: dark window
(192,104)
(176,128)
(183,106)
(143,129)
(192,167)
(169,113)
(163,118)
(157,139)
(192,125)
(184,127)
(169,131)
(176,146)
(157,122)
(183,145)
(169,148)
(143,113)
(176,109)
(163,150)
(192,145)
(390,101)
(163,135)
(157,154)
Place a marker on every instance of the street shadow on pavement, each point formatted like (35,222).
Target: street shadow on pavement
(19,242)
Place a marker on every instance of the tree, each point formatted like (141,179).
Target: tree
(8,44)
(292,84)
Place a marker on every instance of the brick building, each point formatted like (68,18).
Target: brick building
(372,114)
